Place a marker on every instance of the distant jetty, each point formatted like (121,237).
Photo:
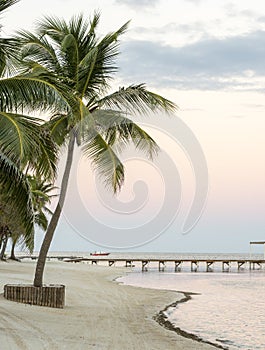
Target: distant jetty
(225,264)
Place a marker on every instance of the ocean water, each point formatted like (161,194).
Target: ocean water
(228,309)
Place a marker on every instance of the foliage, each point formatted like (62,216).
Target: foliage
(79,64)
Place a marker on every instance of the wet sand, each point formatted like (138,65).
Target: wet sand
(99,313)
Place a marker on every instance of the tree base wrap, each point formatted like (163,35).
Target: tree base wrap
(52,295)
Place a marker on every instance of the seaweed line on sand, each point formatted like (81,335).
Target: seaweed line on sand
(162,319)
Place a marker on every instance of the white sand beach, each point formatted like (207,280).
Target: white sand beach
(99,313)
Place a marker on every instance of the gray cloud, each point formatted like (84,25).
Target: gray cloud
(261,19)
(195,29)
(207,64)
(138,3)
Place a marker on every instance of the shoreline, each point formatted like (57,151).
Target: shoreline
(99,312)
(162,319)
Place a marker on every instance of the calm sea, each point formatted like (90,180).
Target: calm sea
(229,309)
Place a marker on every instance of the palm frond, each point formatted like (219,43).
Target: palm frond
(24,140)
(41,220)
(53,27)
(18,135)
(31,93)
(136,99)
(8,46)
(105,161)
(36,49)
(45,157)
(85,71)
(70,49)
(78,27)
(58,126)
(15,190)
(5,4)
(99,64)
(8,53)
(118,129)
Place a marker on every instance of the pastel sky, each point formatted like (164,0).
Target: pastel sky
(208,57)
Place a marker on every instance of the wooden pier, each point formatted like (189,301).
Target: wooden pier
(225,264)
(50,257)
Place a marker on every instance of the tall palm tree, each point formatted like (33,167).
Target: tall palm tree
(24,142)
(12,180)
(71,54)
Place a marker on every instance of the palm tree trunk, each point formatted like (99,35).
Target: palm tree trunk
(56,215)
(12,254)
(1,235)
(2,253)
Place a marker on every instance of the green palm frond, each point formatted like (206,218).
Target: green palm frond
(54,27)
(99,64)
(36,49)
(41,220)
(24,140)
(18,135)
(70,49)
(8,46)
(5,4)
(136,99)
(120,130)
(32,93)
(105,161)
(16,192)
(57,28)
(58,126)
(86,70)
(79,27)
(45,156)
(8,53)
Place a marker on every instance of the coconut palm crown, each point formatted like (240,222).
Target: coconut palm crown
(80,66)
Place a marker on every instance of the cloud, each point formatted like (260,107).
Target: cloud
(235,62)
(195,1)
(178,33)
(138,3)
(233,10)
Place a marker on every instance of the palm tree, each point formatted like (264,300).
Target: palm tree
(11,227)
(24,142)
(71,55)
(42,193)
(12,180)
(41,196)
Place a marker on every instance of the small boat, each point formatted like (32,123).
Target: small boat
(99,254)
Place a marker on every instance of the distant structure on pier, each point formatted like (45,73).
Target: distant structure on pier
(257,242)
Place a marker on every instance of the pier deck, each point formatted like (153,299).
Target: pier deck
(50,257)
(225,264)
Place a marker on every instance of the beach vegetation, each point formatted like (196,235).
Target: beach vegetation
(26,146)
(65,70)
(80,65)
